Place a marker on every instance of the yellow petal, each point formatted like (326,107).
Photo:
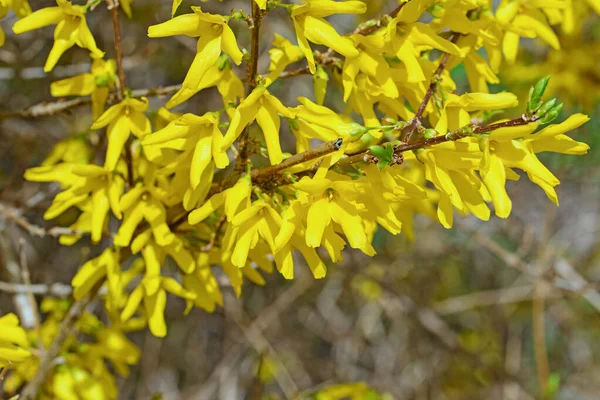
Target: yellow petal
(100,207)
(318,31)
(39,19)
(230,46)
(133,302)
(65,35)
(155,310)
(573,122)
(118,133)
(495,180)
(187,24)
(268,120)
(80,85)
(510,46)
(244,114)
(207,208)
(318,218)
(202,157)
(559,144)
(345,214)
(207,53)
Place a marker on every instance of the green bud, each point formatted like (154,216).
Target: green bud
(103,80)
(388,121)
(546,107)
(436,11)
(358,130)
(239,15)
(549,117)
(429,133)
(558,108)
(384,154)
(382,164)
(368,24)
(223,62)
(536,93)
(293,124)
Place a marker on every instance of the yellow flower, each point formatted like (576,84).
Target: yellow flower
(106,266)
(501,152)
(553,138)
(152,291)
(98,83)
(406,38)
(220,75)
(86,183)
(72,150)
(138,204)
(263,107)
(231,199)
(455,113)
(199,136)
(122,119)
(311,26)
(112,345)
(215,36)
(331,201)
(71,29)
(371,62)
(13,341)
(528,19)
(203,284)
(282,54)
(259,220)
(292,234)
(449,166)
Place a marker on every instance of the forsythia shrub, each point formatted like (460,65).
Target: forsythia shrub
(406,143)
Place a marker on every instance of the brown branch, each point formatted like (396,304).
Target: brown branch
(366,155)
(65,328)
(266,172)
(15,215)
(252,70)
(259,175)
(370,28)
(257,15)
(113,7)
(45,109)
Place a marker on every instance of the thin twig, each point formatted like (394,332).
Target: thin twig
(54,289)
(45,109)
(368,29)
(15,215)
(65,328)
(213,240)
(113,7)
(266,172)
(26,275)
(252,70)
(366,155)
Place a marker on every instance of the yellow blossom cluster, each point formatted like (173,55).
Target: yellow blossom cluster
(406,143)
(82,372)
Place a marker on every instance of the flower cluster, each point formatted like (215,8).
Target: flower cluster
(83,371)
(407,143)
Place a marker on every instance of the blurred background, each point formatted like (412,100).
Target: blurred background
(475,312)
